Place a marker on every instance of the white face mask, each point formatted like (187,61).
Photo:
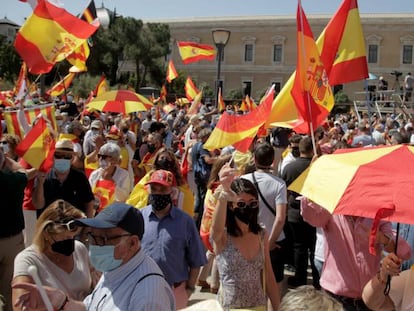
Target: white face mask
(6,148)
(103,163)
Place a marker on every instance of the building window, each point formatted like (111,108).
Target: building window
(247,88)
(372,53)
(407,57)
(248,53)
(277,53)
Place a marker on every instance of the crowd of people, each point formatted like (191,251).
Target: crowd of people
(135,213)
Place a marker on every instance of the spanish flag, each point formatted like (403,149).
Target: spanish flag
(341,45)
(104,192)
(195,105)
(232,129)
(38,147)
(311,91)
(80,55)
(62,86)
(191,90)
(12,121)
(220,102)
(191,52)
(102,86)
(49,35)
(171,72)
(243,106)
(163,93)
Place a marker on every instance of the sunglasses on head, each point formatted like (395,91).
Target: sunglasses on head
(251,204)
(70,225)
(63,156)
(103,156)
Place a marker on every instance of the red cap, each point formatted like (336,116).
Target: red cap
(162,177)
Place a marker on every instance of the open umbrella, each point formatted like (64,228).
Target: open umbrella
(368,182)
(122,101)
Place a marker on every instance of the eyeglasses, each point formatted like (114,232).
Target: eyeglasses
(251,204)
(103,156)
(70,225)
(63,156)
(103,240)
(3,142)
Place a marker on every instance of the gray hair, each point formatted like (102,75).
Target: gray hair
(112,150)
(307,298)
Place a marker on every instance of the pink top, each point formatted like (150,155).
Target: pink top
(348,262)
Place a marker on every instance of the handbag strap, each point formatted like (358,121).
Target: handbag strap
(261,196)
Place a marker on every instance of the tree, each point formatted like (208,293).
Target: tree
(10,61)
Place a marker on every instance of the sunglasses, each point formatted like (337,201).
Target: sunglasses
(63,156)
(70,225)
(251,204)
(103,156)
(3,142)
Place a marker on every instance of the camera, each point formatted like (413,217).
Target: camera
(396,73)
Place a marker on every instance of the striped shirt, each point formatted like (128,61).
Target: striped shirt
(127,288)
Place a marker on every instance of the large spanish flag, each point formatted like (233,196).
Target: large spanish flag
(342,37)
(311,91)
(38,147)
(191,52)
(171,72)
(49,35)
(191,90)
(12,121)
(233,129)
(104,192)
(62,86)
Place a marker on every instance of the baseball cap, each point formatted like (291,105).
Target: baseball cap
(162,177)
(113,133)
(96,124)
(120,215)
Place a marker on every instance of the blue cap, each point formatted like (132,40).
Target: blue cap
(120,215)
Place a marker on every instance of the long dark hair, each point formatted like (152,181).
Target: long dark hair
(241,185)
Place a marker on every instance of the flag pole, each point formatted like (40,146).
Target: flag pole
(303,53)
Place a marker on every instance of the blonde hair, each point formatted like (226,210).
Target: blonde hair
(307,298)
(59,211)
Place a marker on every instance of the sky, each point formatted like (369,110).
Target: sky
(176,9)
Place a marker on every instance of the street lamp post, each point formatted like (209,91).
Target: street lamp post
(220,38)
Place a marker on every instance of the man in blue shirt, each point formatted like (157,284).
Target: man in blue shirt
(130,280)
(171,237)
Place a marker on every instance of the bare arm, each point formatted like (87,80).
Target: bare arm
(373,293)
(38,196)
(272,288)
(277,225)
(17,292)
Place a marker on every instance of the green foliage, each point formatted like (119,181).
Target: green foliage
(83,84)
(176,87)
(235,94)
(9,61)
(341,97)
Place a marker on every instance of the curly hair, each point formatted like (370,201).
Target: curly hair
(175,169)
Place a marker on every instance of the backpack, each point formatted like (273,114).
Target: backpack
(200,168)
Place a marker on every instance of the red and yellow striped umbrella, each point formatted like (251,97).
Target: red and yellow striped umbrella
(367,182)
(122,101)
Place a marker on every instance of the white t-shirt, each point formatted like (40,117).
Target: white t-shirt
(401,292)
(121,179)
(273,190)
(77,284)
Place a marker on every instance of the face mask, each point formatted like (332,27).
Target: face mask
(151,148)
(35,100)
(159,201)
(165,164)
(65,247)
(6,148)
(95,132)
(62,165)
(59,123)
(245,214)
(103,163)
(164,134)
(125,131)
(113,141)
(295,152)
(102,257)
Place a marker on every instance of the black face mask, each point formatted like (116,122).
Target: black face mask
(165,164)
(295,152)
(245,214)
(159,201)
(125,130)
(65,247)
(164,134)
(151,148)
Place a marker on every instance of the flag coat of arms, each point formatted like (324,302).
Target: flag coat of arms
(49,35)
(38,147)
(191,52)
(311,91)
